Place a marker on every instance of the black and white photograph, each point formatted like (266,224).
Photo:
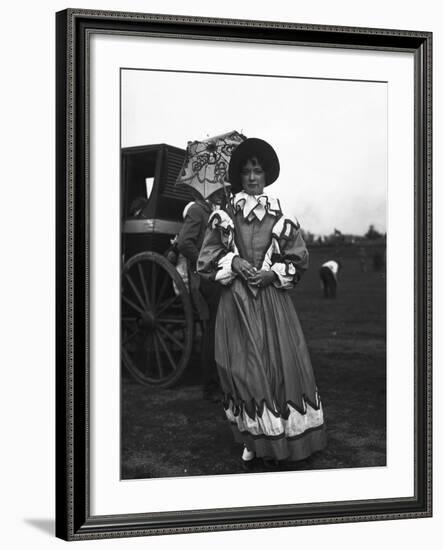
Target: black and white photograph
(253,240)
(219,238)
(243,274)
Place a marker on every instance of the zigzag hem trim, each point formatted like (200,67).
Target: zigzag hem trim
(279,436)
(239,406)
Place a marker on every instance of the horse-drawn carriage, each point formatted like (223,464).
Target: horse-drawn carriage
(157,312)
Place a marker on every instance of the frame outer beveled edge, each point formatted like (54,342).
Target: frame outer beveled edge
(187,19)
(69,533)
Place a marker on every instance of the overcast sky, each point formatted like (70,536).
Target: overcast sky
(330,136)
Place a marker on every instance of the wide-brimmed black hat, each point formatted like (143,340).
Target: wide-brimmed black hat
(253,147)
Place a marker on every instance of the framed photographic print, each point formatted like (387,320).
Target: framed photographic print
(243,274)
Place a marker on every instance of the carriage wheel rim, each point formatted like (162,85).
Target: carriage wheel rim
(157,314)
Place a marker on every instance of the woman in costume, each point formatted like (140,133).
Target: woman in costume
(257,254)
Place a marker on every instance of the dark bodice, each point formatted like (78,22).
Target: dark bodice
(256,236)
(262,228)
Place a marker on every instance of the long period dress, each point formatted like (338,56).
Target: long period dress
(270,394)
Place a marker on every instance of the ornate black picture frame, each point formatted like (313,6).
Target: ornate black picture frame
(73,517)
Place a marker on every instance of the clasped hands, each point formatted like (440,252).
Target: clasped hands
(253,276)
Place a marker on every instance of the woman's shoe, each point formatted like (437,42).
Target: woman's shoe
(247,460)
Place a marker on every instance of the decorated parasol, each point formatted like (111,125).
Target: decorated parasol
(206,163)
(206,167)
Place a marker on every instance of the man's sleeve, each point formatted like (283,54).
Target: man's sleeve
(188,236)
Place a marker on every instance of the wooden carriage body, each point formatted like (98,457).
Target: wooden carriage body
(148,175)
(156,308)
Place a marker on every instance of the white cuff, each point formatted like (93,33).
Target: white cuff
(225,275)
(285,274)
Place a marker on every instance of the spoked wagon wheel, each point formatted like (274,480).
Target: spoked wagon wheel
(157,320)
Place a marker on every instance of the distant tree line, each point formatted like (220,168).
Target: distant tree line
(337,237)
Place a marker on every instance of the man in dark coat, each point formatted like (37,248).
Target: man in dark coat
(189,243)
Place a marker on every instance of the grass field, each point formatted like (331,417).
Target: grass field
(174,432)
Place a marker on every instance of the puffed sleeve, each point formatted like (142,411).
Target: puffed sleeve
(218,249)
(290,257)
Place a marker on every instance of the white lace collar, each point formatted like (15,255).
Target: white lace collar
(256,205)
